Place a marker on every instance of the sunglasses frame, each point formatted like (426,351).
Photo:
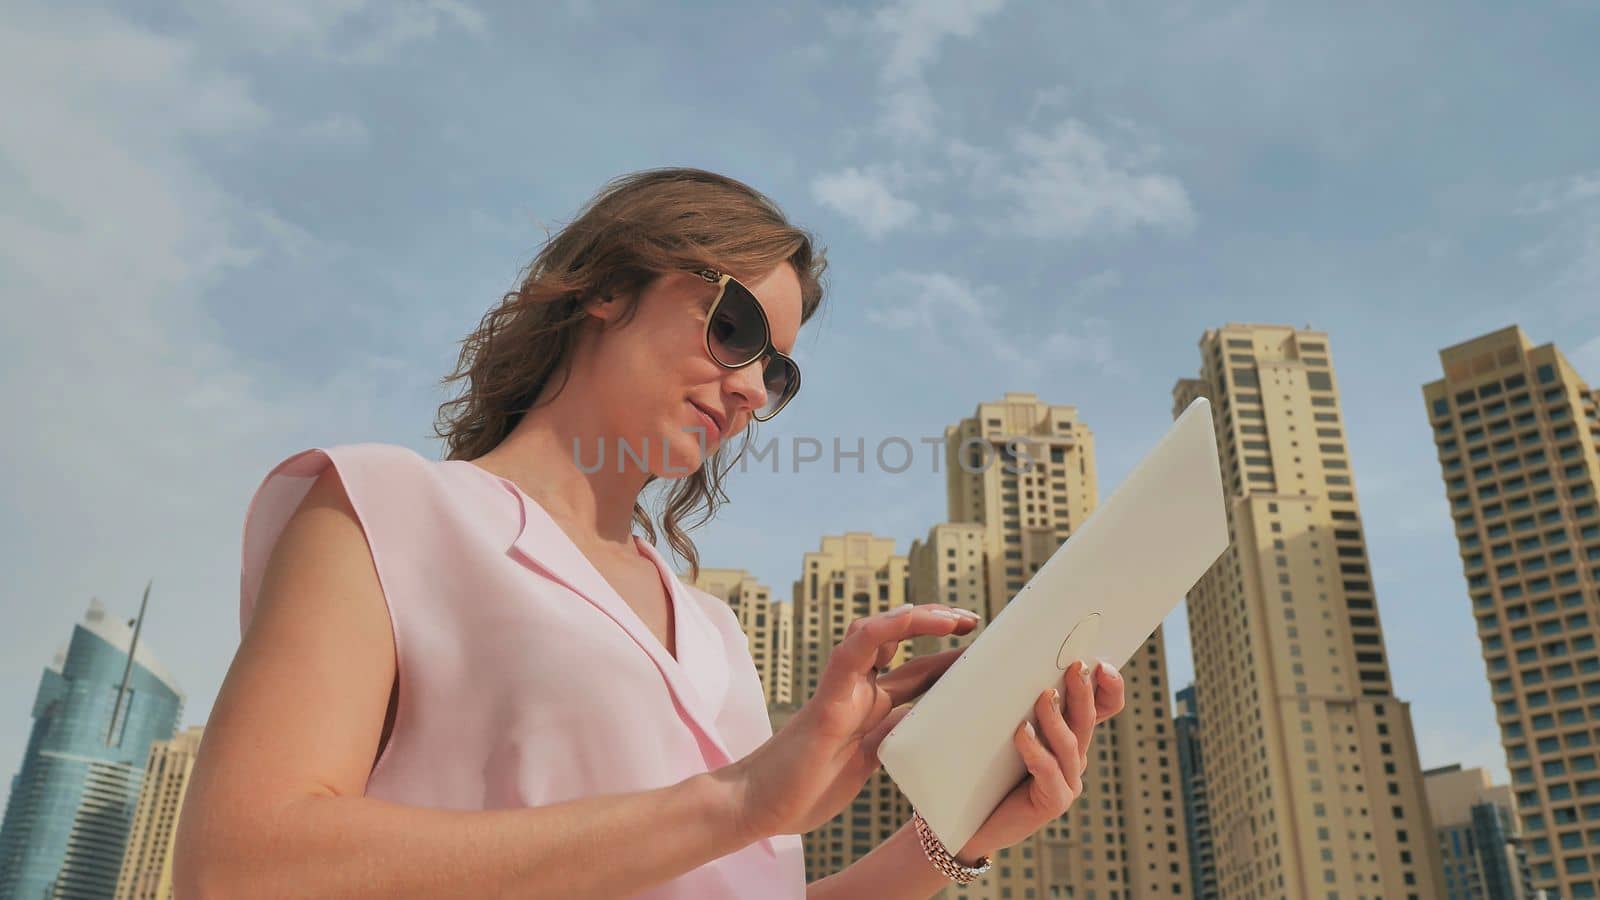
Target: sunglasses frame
(721,280)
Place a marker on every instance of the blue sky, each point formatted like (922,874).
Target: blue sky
(230,231)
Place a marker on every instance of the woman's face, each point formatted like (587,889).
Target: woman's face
(656,377)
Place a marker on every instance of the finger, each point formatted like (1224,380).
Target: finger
(1110,691)
(1070,753)
(857,654)
(1050,789)
(1080,706)
(869,744)
(909,681)
(886,654)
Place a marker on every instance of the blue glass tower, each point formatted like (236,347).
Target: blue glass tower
(1476,822)
(1196,808)
(73,800)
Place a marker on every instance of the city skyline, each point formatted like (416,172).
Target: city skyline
(272,228)
(1493,764)
(1123,837)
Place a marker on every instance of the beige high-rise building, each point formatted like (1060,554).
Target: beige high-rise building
(849,577)
(1025,469)
(1020,476)
(1312,774)
(950,566)
(768,625)
(147,859)
(1515,429)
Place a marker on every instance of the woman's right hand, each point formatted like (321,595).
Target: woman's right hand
(817,763)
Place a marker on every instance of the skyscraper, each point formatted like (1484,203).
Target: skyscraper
(950,566)
(147,862)
(1025,469)
(1312,773)
(1020,476)
(849,577)
(1196,809)
(1478,837)
(1515,428)
(73,800)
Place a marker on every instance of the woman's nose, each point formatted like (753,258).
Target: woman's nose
(750,383)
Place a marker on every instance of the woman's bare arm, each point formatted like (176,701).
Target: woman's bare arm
(275,805)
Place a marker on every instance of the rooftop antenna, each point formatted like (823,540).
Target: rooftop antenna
(127,670)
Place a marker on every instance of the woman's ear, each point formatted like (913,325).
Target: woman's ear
(605,308)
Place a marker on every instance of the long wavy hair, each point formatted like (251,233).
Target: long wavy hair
(637,228)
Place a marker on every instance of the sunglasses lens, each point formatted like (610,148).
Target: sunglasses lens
(737,330)
(782,380)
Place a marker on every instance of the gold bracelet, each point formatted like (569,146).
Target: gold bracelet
(941,857)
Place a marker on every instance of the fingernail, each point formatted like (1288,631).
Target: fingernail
(969,614)
(1110,670)
(1083,672)
(900,610)
(1055,699)
(945,613)
(1028,727)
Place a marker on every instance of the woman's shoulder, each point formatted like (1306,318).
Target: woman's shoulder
(366,476)
(313,460)
(381,464)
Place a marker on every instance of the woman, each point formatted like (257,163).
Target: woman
(470,677)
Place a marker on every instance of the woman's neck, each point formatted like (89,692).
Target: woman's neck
(548,455)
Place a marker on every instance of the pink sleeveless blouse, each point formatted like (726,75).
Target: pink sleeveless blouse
(524,678)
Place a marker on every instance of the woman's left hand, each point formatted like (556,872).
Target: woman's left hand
(1056,757)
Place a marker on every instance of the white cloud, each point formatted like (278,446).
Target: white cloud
(1090,348)
(1100,282)
(348,31)
(136,430)
(948,316)
(864,198)
(908,36)
(93,143)
(1581,279)
(402,24)
(340,131)
(1566,251)
(1062,183)
(1048,99)
(1067,183)
(927,301)
(1586,359)
(287,23)
(1548,196)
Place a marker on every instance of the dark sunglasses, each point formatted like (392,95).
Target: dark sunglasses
(737,334)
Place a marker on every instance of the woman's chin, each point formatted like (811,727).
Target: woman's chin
(687,452)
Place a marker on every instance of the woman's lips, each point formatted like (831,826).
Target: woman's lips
(713,434)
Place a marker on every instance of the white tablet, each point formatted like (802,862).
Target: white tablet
(1101,594)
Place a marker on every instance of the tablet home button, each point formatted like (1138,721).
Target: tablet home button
(1079,641)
